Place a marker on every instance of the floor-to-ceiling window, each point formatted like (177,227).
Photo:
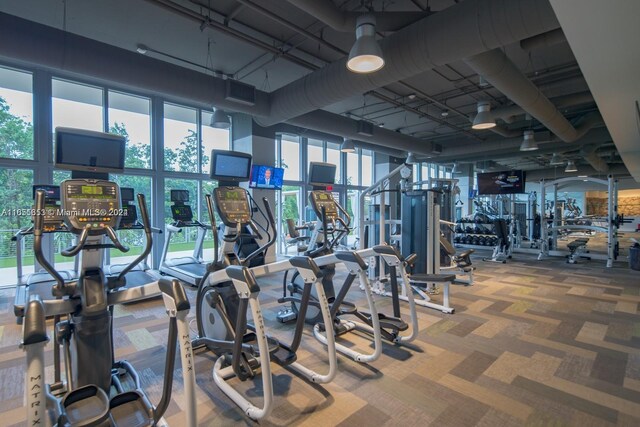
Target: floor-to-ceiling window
(16,143)
(185,145)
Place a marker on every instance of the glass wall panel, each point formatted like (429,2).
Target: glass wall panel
(353,169)
(16,114)
(77,105)
(334,156)
(182,244)
(212,138)
(367,168)
(289,200)
(180,139)
(15,193)
(290,157)
(130,116)
(135,239)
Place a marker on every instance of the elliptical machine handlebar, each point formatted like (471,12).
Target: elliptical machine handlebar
(214,229)
(38,227)
(325,236)
(82,240)
(148,230)
(272,240)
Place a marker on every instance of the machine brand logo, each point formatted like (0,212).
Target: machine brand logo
(35,391)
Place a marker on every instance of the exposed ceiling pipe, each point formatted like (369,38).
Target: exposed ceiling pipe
(507,114)
(549,38)
(460,31)
(290,25)
(53,49)
(325,121)
(535,176)
(503,74)
(277,18)
(345,21)
(505,148)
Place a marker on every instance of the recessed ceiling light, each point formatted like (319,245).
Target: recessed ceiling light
(412,96)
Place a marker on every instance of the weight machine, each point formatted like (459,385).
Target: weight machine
(549,242)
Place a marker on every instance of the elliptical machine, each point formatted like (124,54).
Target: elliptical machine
(328,232)
(230,289)
(98,391)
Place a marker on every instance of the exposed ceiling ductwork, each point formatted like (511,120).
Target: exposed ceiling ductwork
(54,49)
(345,21)
(321,120)
(507,114)
(505,148)
(498,70)
(619,170)
(460,31)
(543,40)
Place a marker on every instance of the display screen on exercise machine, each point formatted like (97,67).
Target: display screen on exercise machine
(83,150)
(504,182)
(230,166)
(322,174)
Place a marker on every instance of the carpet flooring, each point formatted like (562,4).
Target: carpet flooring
(534,343)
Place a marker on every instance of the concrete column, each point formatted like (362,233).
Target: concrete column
(250,138)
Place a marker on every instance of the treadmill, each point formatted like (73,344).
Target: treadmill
(39,282)
(142,274)
(189,269)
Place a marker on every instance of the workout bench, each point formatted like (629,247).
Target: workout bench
(576,249)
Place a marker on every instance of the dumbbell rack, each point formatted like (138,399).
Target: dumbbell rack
(465,234)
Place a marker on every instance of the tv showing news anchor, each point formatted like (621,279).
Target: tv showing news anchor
(267,177)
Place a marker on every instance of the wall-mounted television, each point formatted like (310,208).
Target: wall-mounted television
(89,151)
(267,177)
(503,182)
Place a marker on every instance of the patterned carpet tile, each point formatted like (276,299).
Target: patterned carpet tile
(532,343)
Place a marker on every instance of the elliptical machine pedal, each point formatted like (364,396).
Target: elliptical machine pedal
(287,314)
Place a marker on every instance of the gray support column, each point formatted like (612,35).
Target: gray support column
(260,143)
(157,187)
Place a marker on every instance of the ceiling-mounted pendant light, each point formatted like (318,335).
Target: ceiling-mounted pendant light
(529,142)
(571,167)
(556,160)
(365,55)
(347,146)
(411,159)
(484,119)
(219,119)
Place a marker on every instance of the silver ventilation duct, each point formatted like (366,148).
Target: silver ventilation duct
(460,31)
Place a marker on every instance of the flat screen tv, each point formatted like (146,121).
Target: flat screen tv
(504,182)
(230,166)
(267,177)
(89,151)
(322,174)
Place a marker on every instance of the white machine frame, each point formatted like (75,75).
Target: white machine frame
(612,212)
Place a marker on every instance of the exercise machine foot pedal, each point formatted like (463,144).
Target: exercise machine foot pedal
(284,357)
(131,409)
(85,406)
